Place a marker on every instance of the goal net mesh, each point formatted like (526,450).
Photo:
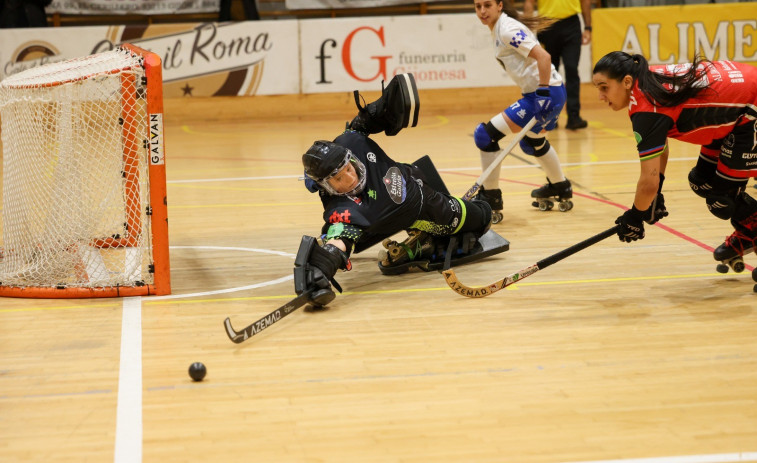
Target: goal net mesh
(75,174)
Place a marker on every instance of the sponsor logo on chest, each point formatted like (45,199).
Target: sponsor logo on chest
(395,184)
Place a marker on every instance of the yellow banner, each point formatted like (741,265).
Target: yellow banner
(674,34)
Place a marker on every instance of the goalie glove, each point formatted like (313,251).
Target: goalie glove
(314,270)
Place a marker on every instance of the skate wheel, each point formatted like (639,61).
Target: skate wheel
(737,265)
(545,205)
(754,274)
(386,243)
(722,268)
(535,203)
(496,217)
(565,206)
(755,288)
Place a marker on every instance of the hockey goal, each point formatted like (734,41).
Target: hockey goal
(84,184)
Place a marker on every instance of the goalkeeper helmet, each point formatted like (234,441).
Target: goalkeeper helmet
(325,159)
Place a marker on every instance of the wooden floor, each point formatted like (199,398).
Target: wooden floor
(619,353)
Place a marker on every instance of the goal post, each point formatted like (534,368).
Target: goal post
(84,210)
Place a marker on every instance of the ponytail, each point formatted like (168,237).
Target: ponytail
(660,89)
(535,23)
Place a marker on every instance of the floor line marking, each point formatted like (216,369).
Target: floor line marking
(713,458)
(128,446)
(448,170)
(620,206)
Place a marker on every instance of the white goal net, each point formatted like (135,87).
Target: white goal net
(76,191)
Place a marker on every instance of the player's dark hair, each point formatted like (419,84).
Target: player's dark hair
(535,23)
(660,89)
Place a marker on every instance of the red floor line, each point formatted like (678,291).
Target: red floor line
(612,203)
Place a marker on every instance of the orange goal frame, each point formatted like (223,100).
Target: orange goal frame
(158,215)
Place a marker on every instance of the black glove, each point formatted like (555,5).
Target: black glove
(631,225)
(328,259)
(657,209)
(322,266)
(314,269)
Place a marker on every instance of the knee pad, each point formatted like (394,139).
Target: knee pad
(535,146)
(726,197)
(699,181)
(486,137)
(721,206)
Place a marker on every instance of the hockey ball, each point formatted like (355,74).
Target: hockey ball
(197,371)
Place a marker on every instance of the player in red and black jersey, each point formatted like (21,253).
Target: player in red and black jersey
(712,104)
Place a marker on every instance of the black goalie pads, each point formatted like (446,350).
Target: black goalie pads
(430,174)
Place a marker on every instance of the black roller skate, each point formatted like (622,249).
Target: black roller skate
(731,253)
(415,251)
(494,198)
(545,196)
(395,109)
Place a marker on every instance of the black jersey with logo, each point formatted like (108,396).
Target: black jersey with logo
(390,202)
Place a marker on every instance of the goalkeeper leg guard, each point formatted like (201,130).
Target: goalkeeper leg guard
(396,108)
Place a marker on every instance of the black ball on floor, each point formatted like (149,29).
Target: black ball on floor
(197,371)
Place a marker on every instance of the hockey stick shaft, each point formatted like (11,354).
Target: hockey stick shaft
(500,157)
(483,291)
(268,320)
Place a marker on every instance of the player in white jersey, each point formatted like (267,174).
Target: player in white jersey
(530,66)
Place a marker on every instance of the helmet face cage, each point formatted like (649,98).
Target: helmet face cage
(359,169)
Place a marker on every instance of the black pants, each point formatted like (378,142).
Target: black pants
(443,214)
(563,40)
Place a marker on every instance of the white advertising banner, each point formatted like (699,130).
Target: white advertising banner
(241,58)
(278,57)
(442,51)
(96,7)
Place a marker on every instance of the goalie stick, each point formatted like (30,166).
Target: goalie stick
(268,320)
(500,157)
(483,291)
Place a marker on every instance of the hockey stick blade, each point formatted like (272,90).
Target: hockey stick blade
(483,291)
(500,157)
(268,320)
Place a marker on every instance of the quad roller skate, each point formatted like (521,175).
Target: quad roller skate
(395,109)
(397,258)
(431,253)
(492,196)
(731,253)
(545,196)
